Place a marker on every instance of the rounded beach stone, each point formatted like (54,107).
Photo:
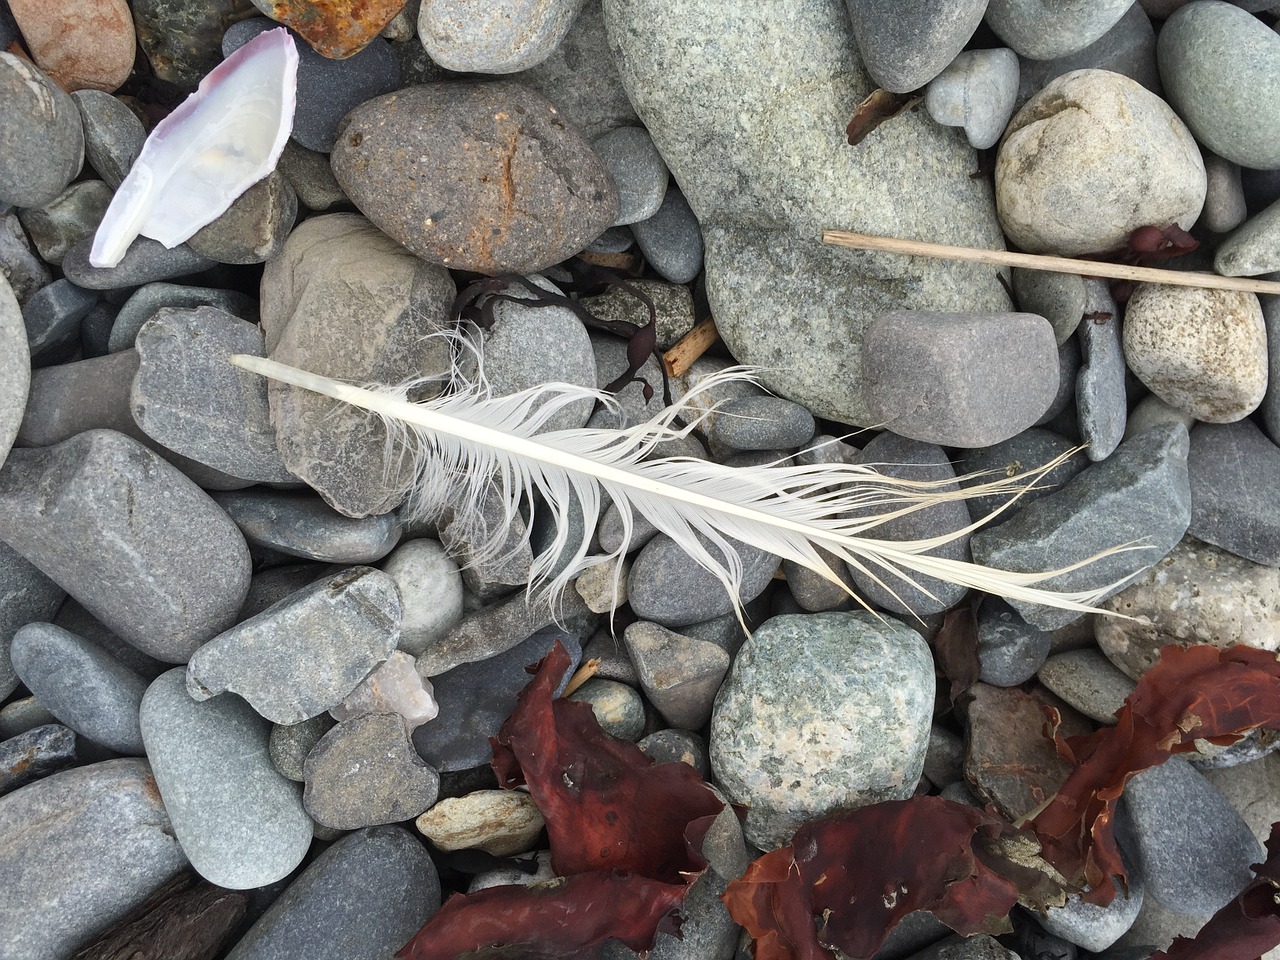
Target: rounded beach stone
(904,45)
(978,92)
(1088,681)
(671,240)
(239,821)
(113,134)
(618,707)
(637,169)
(430,592)
(792,749)
(79,43)
(679,674)
(147,301)
(41,137)
(291,743)
(762,423)
(667,586)
(1202,351)
(499,822)
(476,36)
(1089,159)
(1046,29)
(35,754)
(253,229)
(15,367)
(1221,71)
(1224,203)
(1235,477)
(498,180)
(79,851)
(1254,248)
(303,525)
(26,596)
(67,219)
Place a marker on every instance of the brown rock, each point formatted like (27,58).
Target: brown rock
(81,44)
(336,29)
(500,822)
(475,176)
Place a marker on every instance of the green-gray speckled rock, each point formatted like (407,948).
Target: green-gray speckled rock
(750,120)
(821,712)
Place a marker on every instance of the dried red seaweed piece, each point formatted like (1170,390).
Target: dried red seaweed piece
(879,106)
(1198,692)
(1245,928)
(956,646)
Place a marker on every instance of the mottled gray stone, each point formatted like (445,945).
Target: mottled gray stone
(254,228)
(1221,72)
(613,240)
(303,655)
(762,423)
(345,301)
(680,675)
(1235,490)
(311,177)
(1010,650)
(1096,928)
(672,302)
(303,525)
(15,368)
(25,272)
(1088,681)
(1270,406)
(19,716)
(677,746)
(1101,406)
(73,617)
(183,41)
(977,92)
(365,772)
(978,947)
(637,169)
(113,134)
(1141,492)
(26,596)
(944,759)
(668,587)
(78,851)
(905,45)
(290,744)
(617,707)
(1029,450)
(707,931)
(41,137)
(430,592)
(793,749)
(467,38)
(1058,297)
(1251,250)
(52,317)
(361,899)
(1045,29)
(66,219)
(239,821)
(82,685)
(144,303)
(141,546)
(464,535)
(145,260)
(671,240)
(35,754)
(1224,203)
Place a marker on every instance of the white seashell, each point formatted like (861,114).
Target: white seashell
(218,143)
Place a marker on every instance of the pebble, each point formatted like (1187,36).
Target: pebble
(67,219)
(1224,203)
(319,300)
(677,746)
(188,396)
(361,899)
(1141,492)
(183,41)
(254,228)
(303,525)
(1122,143)
(672,302)
(15,368)
(488,577)
(1010,650)
(613,240)
(1027,451)
(614,662)
(468,39)
(475,699)
(73,617)
(79,851)
(1202,351)
(113,134)
(145,260)
(141,546)
(291,744)
(668,587)
(792,749)
(40,135)
(95,330)
(82,685)
(52,316)
(22,269)
(327,89)
(671,239)
(431,593)
(1221,72)
(1101,405)
(558,197)
(1058,297)
(707,930)
(1041,30)
(1194,848)
(762,423)
(35,754)
(79,43)
(19,716)
(1234,470)
(603,587)
(978,947)
(308,652)
(1150,411)
(935,377)
(1250,250)
(905,45)
(1096,928)
(1251,789)
(1088,681)
(637,170)
(145,302)
(679,675)
(617,707)
(499,822)
(26,596)
(944,758)
(365,772)
(394,687)
(311,177)
(977,91)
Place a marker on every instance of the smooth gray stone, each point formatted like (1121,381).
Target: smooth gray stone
(430,590)
(978,947)
(1101,404)
(464,536)
(762,423)
(95,330)
(1235,490)
(19,716)
(254,228)
(1058,297)
(35,754)
(637,169)
(977,92)
(1029,450)
(1096,928)
(74,618)
(26,596)
(145,260)
(1141,492)
(1129,48)
(305,654)
(1251,250)
(706,933)
(141,546)
(907,43)
(677,746)
(311,177)
(507,39)
(1224,203)
(614,661)
(52,316)
(365,772)
(241,824)
(813,592)
(361,899)
(79,851)
(1010,650)
(291,744)
(82,685)
(66,219)
(41,137)
(15,367)
(1270,408)
(671,239)
(113,134)
(944,760)
(668,587)
(613,240)
(680,675)
(1088,681)
(147,301)
(618,708)
(1193,848)
(189,397)
(269,587)
(1047,29)
(303,525)
(25,272)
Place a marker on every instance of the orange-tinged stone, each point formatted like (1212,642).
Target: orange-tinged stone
(336,28)
(81,44)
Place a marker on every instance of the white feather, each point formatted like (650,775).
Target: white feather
(467,444)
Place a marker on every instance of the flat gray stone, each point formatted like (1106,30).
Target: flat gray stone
(24,270)
(1251,250)
(145,302)
(1235,503)
(311,177)
(40,134)
(79,851)
(113,134)
(671,239)
(239,821)
(52,316)
(146,260)
(303,525)
(430,592)
(1010,650)
(763,423)
(977,91)
(1045,29)
(141,546)
(637,169)
(290,744)
(303,655)
(905,45)
(35,754)
(19,716)
(1029,450)
(668,587)
(1058,297)
(15,368)
(1088,681)
(461,37)
(1270,407)
(1101,403)
(67,219)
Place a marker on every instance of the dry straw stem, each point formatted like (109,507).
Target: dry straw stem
(1031,261)
(690,347)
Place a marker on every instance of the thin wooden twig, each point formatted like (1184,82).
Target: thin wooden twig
(581,676)
(690,347)
(1030,261)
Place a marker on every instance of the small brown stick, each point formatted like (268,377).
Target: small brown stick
(581,676)
(690,347)
(1030,261)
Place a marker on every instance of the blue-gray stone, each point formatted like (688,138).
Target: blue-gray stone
(613,240)
(95,330)
(977,92)
(79,851)
(1010,650)
(1250,250)
(1140,493)
(113,134)
(904,45)
(239,821)
(35,754)
(618,708)
(141,546)
(1235,490)
(667,586)
(1088,681)
(74,618)
(680,675)
(66,219)
(303,525)
(671,239)
(26,596)
(52,316)
(254,228)
(19,716)
(82,685)
(493,39)
(1100,389)
(290,744)
(23,269)
(361,899)
(1045,29)
(1270,408)
(15,368)
(1060,416)
(762,423)
(145,260)
(145,302)
(1095,928)
(677,746)
(637,170)
(1029,450)
(41,138)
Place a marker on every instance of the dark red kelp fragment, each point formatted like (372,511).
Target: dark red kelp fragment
(956,650)
(879,106)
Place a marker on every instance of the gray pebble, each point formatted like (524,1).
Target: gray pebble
(977,92)
(74,618)
(668,587)
(1088,681)
(15,368)
(1235,490)
(52,316)
(1010,650)
(1096,928)
(677,746)
(905,45)
(67,219)
(25,272)
(140,545)
(19,716)
(680,675)
(303,525)
(113,134)
(637,169)
(311,177)
(1061,415)
(1058,297)
(145,302)
(254,228)
(291,744)
(1250,251)
(430,592)
(813,592)
(762,423)
(614,660)
(35,754)
(944,759)
(671,240)
(145,260)
(26,596)
(1041,30)
(41,137)
(1224,204)
(673,305)
(82,685)
(467,39)
(1029,450)
(617,707)
(488,575)
(613,240)
(1100,386)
